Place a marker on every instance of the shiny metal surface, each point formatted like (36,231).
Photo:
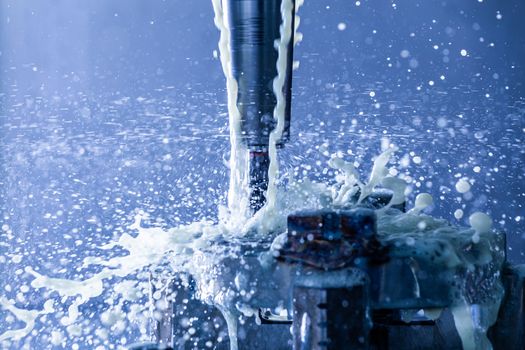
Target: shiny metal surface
(331,318)
(254,26)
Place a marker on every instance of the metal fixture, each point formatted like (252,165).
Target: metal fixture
(340,283)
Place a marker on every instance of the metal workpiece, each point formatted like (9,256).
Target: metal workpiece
(254,27)
(508,333)
(195,323)
(251,277)
(330,299)
(333,282)
(410,283)
(392,331)
(331,317)
(185,321)
(246,282)
(330,239)
(429,283)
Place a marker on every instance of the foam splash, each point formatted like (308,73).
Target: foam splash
(279,111)
(28,317)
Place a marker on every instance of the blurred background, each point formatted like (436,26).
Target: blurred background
(108,108)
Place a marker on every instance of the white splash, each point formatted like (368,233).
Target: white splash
(481,223)
(423,201)
(379,172)
(27,316)
(238,210)
(398,187)
(297,36)
(279,111)
(348,181)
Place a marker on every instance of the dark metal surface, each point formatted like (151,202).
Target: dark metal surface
(330,239)
(254,26)
(195,323)
(380,198)
(410,283)
(390,332)
(331,318)
(198,325)
(330,308)
(509,331)
(268,317)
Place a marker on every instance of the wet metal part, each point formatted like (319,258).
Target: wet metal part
(329,292)
(321,318)
(328,239)
(509,330)
(330,299)
(255,27)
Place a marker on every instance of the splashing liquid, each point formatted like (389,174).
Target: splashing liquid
(186,245)
(238,200)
